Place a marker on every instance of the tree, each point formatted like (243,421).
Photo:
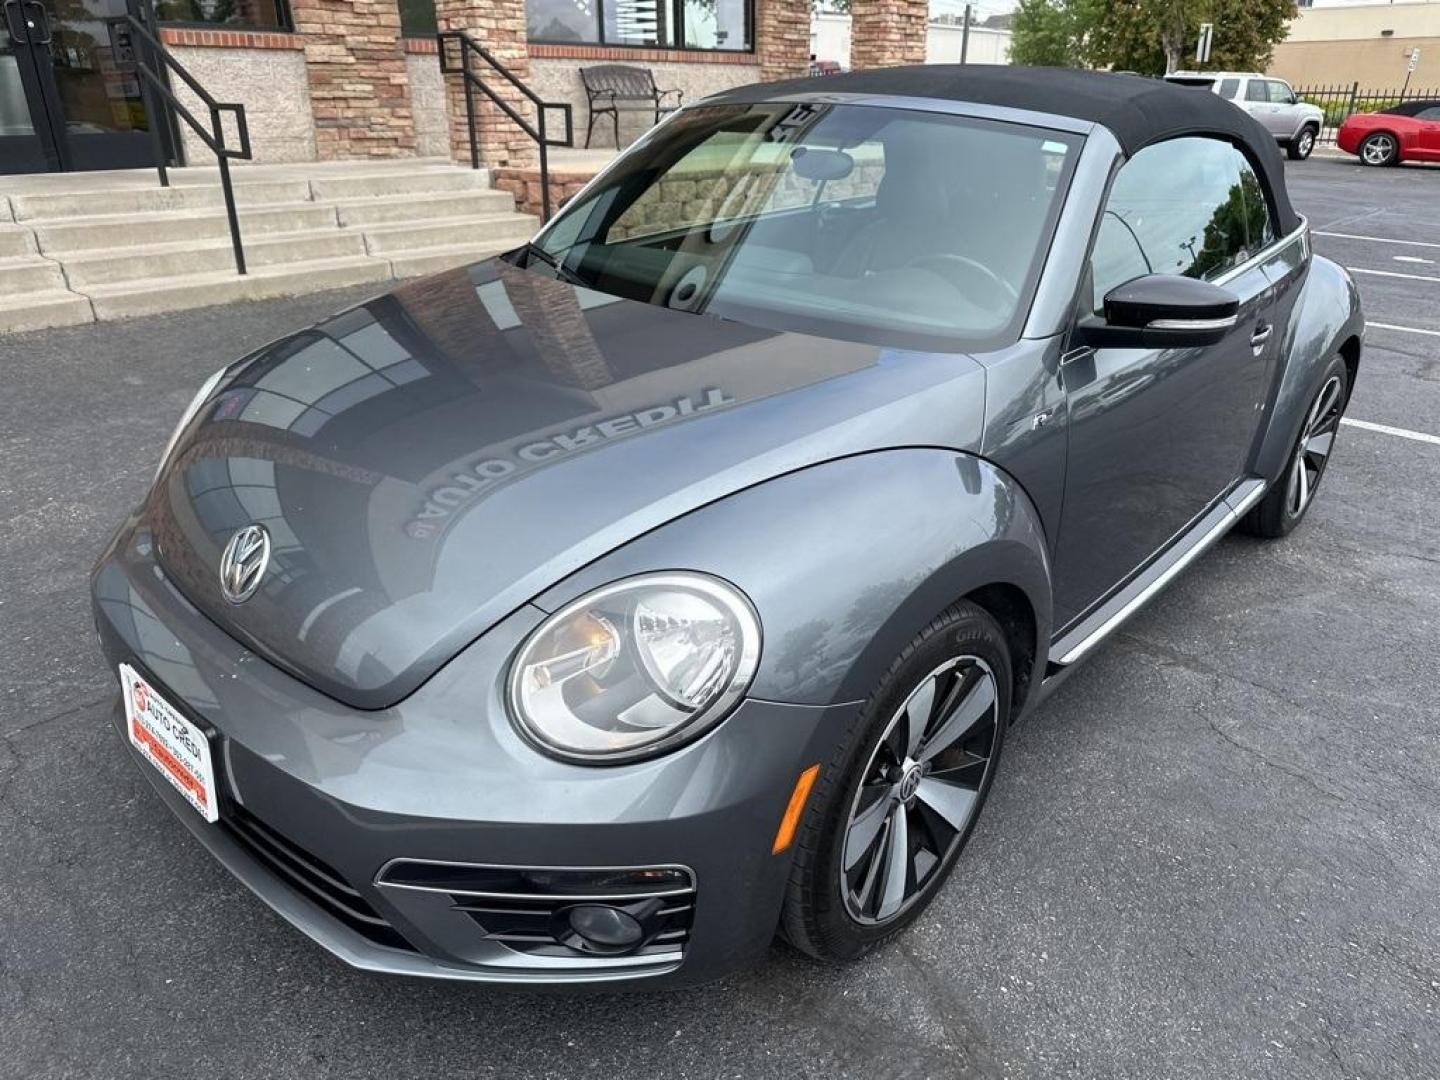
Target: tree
(1052,33)
(1148,36)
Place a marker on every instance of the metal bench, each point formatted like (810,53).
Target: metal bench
(617,88)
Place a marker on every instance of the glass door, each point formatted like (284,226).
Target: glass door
(26,141)
(70,94)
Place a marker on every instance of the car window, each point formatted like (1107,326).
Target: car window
(1255,90)
(1191,206)
(888,226)
(1229,88)
(1280,94)
(1254,207)
(1432,113)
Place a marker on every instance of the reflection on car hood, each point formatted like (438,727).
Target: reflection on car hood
(429,461)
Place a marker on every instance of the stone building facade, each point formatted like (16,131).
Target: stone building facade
(355,79)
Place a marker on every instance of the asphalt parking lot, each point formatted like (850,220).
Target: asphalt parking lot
(1214,853)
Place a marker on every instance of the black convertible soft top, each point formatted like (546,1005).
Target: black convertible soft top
(1136,110)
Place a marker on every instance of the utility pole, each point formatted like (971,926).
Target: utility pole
(965,36)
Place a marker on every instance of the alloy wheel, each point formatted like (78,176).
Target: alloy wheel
(1317,438)
(1307,143)
(920,790)
(1378,149)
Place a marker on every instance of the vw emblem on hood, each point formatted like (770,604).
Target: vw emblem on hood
(243,563)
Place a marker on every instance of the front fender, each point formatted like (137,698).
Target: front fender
(1325,316)
(846,561)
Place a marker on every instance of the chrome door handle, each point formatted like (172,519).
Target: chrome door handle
(1260,336)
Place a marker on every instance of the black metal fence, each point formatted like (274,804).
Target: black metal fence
(1338,102)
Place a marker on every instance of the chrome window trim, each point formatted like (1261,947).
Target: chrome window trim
(1264,254)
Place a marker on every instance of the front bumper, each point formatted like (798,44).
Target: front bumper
(319,794)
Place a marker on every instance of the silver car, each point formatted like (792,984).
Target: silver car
(1294,123)
(595,612)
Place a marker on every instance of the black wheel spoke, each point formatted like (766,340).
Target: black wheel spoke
(965,769)
(978,701)
(917,714)
(873,873)
(896,877)
(951,801)
(866,825)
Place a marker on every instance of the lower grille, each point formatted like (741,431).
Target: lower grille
(528,909)
(312,877)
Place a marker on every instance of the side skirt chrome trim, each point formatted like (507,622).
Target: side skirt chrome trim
(1160,573)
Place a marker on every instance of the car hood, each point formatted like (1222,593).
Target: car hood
(429,461)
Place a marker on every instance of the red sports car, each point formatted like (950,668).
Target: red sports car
(1408,132)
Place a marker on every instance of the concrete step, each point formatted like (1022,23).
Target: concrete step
(434,260)
(419,181)
(500,230)
(146,296)
(50,206)
(15,241)
(84,269)
(111,231)
(30,275)
(36,311)
(379,210)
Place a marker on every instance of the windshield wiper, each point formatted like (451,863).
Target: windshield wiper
(535,251)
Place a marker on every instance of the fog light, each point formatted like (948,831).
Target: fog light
(604,929)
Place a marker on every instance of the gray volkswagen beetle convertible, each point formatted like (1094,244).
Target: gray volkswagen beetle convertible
(596,612)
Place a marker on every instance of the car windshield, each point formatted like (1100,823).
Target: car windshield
(881,225)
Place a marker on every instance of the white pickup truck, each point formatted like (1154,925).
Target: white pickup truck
(1294,124)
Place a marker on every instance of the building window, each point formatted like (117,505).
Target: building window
(417,19)
(240,14)
(663,24)
(562,20)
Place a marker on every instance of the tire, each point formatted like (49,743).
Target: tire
(1292,494)
(835,912)
(1299,148)
(1379,148)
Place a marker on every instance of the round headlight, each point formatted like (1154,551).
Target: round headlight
(635,668)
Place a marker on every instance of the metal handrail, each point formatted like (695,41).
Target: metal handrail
(473,82)
(214,138)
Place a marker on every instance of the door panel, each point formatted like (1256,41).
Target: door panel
(1287,109)
(1259,104)
(1156,436)
(1428,141)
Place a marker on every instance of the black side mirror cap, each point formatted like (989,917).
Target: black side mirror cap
(1161,311)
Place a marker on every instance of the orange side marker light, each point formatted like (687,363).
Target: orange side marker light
(791,821)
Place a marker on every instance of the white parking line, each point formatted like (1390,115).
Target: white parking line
(1413,259)
(1403,329)
(1392,273)
(1386,429)
(1377,239)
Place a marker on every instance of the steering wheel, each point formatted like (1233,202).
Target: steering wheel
(962,271)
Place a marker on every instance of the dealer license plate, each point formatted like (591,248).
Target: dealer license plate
(170,742)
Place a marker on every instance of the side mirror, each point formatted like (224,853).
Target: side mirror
(1160,311)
